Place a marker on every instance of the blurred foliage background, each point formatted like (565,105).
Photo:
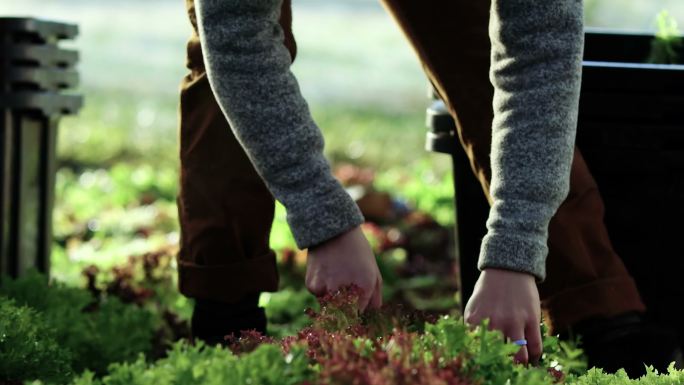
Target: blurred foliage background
(118,178)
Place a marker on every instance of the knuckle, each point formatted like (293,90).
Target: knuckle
(498,320)
(472,319)
(314,286)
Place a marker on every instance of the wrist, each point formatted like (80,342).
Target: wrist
(341,237)
(498,273)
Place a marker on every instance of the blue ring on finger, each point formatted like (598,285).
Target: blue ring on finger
(521,342)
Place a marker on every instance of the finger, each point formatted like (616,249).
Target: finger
(517,333)
(522,356)
(316,287)
(503,324)
(472,319)
(534,341)
(376,299)
(365,298)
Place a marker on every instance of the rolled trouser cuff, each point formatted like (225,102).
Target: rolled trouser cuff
(230,282)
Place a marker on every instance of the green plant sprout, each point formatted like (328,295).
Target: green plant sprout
(667,42)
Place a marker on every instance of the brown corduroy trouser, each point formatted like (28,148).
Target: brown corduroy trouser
(226,211)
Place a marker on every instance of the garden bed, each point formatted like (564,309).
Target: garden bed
(61,335)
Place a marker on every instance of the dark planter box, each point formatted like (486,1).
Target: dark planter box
(631,132)
(35,75)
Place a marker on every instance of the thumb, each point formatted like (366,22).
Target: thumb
(365,298)
(316,286)
(376,299)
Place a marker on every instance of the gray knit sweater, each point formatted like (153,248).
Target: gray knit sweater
(536,65)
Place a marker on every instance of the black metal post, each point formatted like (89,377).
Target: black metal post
(472,208)
(35,74)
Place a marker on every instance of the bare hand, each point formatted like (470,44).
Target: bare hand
(342,261)
(510,300)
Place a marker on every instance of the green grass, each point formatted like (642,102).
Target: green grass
(635,15)
(118,126)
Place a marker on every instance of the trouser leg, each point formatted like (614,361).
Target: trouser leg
(586,278)
(225,210)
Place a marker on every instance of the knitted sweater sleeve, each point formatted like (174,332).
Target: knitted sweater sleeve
(249,72)
(536,71)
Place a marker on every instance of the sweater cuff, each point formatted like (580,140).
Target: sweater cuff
(514,252)
(324,218)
